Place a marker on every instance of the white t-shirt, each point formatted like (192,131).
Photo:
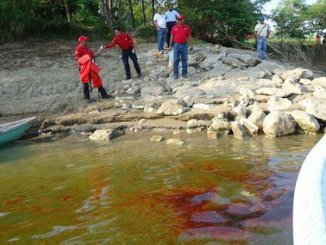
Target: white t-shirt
(171,15)
(160,20)
(262,29)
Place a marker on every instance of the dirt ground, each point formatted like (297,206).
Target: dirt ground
(42,78)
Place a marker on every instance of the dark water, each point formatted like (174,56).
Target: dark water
(133,191)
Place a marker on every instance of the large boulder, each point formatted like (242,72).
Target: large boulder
(249,60)
(276,103)
(315,106)
(297,74)
(291,87)
(251,128)
(278,124)
(321,81)
(172,108)
(106,134)
(218,128)
(238,130)
(271,91)
(152,90)
(257,117)
(306,122)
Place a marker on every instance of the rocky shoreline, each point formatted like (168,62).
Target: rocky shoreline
(228,91)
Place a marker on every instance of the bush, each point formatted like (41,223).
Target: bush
(147,32)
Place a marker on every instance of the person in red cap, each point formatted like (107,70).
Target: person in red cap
(180,36)
(128,48)
(88,70)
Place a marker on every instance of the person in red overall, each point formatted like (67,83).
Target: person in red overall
(88,70)
(127,45)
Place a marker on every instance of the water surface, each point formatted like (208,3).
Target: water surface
(133,191)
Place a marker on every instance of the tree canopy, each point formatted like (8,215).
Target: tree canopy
(213,20)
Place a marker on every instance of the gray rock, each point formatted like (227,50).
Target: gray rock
(257,117)
(157,138)
(153,90)
(238,130)
(218,128)
(152,107)
(251,128)
(321,81)
(172,108)
(233,62)
(202,106)
(306,122)
(193,123)
(278,104)
(297,74)
(272,92)
(278,124)
(184,91)
(175,141)
(315,107)
(106,134)
(291,87)
(277,79)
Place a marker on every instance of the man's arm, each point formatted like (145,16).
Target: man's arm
(112,43)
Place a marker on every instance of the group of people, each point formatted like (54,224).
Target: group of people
(320,37)
(172,29)
(88,69)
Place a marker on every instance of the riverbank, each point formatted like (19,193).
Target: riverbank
(228,91)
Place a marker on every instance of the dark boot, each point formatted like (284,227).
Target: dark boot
(103,93)
(86,91)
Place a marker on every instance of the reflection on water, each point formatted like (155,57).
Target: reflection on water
(134,191)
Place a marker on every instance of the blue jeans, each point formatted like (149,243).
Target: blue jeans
(161,33)
(262,47)
(180,49)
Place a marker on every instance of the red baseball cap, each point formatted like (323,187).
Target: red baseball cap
(180,17)
(82,38)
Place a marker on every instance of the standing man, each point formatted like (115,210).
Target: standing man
(171,17)
(160,24)
(180,35)
(89,71)
(262,31)
(128,49)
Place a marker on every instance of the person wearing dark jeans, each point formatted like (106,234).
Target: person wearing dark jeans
(125,57)
(127,45)
(171,17)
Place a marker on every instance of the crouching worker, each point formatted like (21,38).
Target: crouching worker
(88,70)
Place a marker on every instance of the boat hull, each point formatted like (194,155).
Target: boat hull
(309,206)
(15,130)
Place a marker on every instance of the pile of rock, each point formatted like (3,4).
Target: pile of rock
(228,91)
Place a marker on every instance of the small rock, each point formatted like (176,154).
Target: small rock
(157,138)
(175,142)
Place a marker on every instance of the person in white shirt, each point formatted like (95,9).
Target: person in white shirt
(262,31)
(171,17)
(160,24)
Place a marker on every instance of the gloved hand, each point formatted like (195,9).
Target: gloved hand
(133,50)
(102,47)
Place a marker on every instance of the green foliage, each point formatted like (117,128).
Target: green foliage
(147,32)
(316,13)
(289,16)
(219,20)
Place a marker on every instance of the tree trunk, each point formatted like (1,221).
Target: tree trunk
(107,6)
(67,10)
(144,14)
(153,8)
(132,14)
